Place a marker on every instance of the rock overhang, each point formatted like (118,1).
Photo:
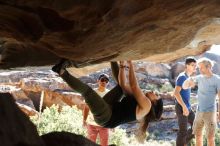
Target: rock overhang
(36,33)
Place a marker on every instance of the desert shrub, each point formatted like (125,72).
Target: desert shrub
(217,138)
(69,119)
(167,87)
(118,137)
(151,87)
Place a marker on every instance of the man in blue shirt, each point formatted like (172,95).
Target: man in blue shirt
(183,108)
(208,87)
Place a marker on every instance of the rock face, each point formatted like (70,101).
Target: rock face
(176,68)
(16,128)
(39,32)
(27,88)
(154,69)
(66,139)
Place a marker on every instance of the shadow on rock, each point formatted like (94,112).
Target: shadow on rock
(66,139)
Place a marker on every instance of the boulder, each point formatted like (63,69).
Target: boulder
(92,32)
(153,69)
(16,128)
(66,139)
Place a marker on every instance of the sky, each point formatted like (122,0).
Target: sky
(215,49)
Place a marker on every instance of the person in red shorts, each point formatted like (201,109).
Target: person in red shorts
(93,129)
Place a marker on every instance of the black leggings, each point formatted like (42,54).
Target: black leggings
(101,108)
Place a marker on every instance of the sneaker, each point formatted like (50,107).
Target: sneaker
(62,65)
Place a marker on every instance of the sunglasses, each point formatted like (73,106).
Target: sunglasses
(104,80)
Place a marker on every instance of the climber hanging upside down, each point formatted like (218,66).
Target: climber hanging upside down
(126,102)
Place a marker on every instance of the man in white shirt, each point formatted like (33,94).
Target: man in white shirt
(94,129)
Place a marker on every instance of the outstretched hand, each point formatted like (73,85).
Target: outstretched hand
(122,63)
(129,62)
(125,64)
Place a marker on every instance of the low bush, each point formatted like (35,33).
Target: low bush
(167,87)
(69,119)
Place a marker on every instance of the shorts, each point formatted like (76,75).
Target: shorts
(207,119)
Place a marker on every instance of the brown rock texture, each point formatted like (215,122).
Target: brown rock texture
(39,32)
(16,128)
(27,110)
(154,69)
(27,88)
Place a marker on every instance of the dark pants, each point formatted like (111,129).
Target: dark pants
(184,134)
(100,107)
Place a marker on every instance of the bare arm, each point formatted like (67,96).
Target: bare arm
(122,79)
(144,104)
(180,100)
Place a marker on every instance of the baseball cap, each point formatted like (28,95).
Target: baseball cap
(103,75)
